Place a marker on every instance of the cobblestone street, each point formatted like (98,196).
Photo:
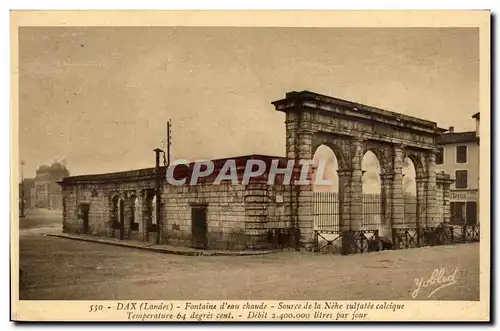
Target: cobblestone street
(62,269)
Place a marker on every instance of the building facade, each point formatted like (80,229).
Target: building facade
(458,155)
(46,193)
(206,215)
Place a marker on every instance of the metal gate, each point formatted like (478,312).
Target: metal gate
(326,222)
(328,236)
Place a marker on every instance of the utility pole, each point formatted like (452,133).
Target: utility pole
(158,194)
(21,214)
(169,140)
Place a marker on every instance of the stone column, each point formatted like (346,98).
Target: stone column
(256,214)
(345,176)
(431,213)
(291,124)
(305,194)
(386,197)
(291,135)
(446,202)
(356,188)
(421,201)
(398,203)
(344,198)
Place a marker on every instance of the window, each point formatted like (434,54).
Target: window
(461,154)
(471,213)
(440,155)
(457,213)
(461,178)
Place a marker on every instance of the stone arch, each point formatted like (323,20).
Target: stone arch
(337,145)
(349,129)
(384,155)
(418,160)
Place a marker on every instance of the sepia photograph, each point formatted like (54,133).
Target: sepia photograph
(252,172)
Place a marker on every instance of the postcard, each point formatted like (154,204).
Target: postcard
(246,166)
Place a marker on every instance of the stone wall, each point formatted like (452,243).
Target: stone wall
(225,212)
(238,216)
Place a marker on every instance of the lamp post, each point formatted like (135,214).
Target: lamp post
(21,214)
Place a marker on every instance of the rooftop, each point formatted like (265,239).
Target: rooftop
(356,108)
(457,137)
(179,172)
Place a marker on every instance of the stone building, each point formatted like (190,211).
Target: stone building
(25,189)
(458,155)
(206,215)
(46,193)
(259,215)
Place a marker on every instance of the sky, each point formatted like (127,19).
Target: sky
(99,98)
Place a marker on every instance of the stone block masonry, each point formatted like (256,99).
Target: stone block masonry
(121,205)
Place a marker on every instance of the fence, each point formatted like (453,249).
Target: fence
(327,216)
(326,211)
(372,211)
(328,236)
(410,213)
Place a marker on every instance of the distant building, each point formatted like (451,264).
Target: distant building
(46,192)
(458,154)
(28,186)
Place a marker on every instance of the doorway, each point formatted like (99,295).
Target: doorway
(84,215)
(122,219)
(199,227)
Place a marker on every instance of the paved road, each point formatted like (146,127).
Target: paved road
(62,269)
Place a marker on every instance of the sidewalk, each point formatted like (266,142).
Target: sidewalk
(167,249)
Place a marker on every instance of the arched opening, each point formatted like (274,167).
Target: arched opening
(114,211)
(153,211)
(117,214)
(135,213)
(325,177)
(326,197)
(409,193)
(372,192)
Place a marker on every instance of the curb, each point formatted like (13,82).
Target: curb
(164,250)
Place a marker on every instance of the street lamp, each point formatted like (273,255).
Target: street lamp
(21,214)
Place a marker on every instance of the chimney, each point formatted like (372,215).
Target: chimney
(451,129)
(476,117)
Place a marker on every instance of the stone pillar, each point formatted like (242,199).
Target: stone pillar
(431,212)
(386,197)
(421,201)
(256,214)
(305,217)
(398,203)
(344,198)
(446,202)
(291,124)
(356,187)
(291,135)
